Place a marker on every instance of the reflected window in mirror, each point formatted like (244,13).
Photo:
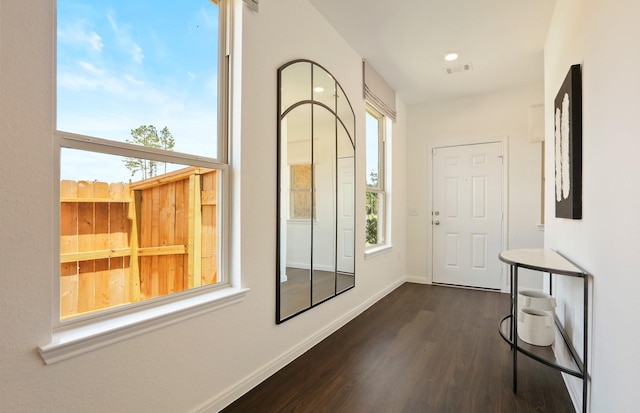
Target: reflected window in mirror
(375,163)
(316,189)
(300,193)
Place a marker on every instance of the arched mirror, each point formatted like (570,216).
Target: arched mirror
(316,189)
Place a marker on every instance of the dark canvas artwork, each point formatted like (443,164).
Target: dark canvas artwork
(568,146)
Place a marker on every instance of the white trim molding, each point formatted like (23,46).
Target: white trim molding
(75,340)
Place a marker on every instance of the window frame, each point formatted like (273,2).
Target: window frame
(87,332)
(381,188)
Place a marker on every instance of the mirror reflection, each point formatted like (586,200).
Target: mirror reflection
(316,189)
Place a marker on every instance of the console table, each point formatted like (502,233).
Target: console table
(551,262)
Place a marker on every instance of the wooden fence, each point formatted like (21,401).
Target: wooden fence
(124,243)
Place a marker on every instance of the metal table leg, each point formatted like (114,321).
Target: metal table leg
(514,329)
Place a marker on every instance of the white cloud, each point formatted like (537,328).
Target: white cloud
(91,79)
(136,53)
(194,133)
(134,81)
(107,95)
(78,34)
(90,68)
(207,18)
(125,40)
(112,22)
(125,88)
(160,49)
(212,85)
(96,41)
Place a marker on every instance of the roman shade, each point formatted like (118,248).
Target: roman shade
(378,92)
(253,4)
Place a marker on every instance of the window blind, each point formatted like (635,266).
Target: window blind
(378,92)
(253,4)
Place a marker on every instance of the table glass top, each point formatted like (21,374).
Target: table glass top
(541,259)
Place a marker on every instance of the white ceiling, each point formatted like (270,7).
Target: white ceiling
(405,41)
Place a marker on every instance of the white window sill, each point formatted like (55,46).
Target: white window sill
(74,340)
(377,250)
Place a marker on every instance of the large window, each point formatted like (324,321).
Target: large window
(141,136)
(375,170)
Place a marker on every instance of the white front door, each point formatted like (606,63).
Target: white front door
(346,220)
(467,215)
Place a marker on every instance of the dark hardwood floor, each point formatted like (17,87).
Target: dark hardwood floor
(295,293)
(422,348)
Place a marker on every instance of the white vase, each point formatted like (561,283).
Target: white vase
(536,327)
(537,300)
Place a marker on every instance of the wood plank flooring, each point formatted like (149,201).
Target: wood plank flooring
(422,348)
(295,293)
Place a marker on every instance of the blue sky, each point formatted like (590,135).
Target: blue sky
(371,130)
(122,64)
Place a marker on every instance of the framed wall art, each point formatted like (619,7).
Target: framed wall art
(568,146)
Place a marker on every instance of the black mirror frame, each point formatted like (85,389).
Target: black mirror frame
(279,218)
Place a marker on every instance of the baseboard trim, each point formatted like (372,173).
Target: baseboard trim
(572,384)
(236,391)
(416,280)
(574,393)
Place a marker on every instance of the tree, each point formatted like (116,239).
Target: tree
(147,135)
(372,211)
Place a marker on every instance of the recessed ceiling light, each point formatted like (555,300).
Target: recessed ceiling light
(318,89)
(451,56)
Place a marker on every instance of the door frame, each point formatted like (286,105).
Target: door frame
(446,143)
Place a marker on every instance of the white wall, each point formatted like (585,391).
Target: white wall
(298,235)
(207,361)
(472,119)
(603,38)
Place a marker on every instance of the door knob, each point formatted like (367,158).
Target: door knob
(436,222)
